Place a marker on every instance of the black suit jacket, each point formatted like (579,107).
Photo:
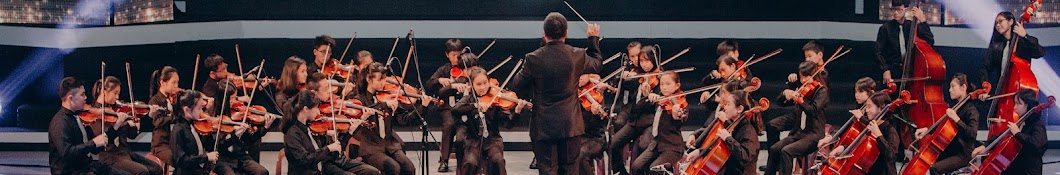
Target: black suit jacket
(888,47)
(551,73)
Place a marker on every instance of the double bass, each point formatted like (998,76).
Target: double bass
(1017,76)
(940,135)
(714,160)
(924,64)
(1003,150)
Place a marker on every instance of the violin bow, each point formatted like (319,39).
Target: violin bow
(128,78)
(195,73)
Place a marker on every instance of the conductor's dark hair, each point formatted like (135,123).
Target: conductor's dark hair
(323,40)
(555,26)
(454,45)
(69,84)
(213,62)
(727,46)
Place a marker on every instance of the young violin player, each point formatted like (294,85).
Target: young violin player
(742,141)
(219,84)
(117,153)
(634,121)
(321,53)
(164,87)
(308,153)
(595,119)
(202,144)
(483,149)
(885,135)
(445,83)
(1031,134)
(381,146)
(806,120)
(70,149)
(957,154)
(292,80)
(666,144)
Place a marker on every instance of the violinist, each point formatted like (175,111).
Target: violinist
(956,154)
(742,140)
(318,84)
(117,153)
(164,87)
(215,85)
(893,38)
(292,80)
(313,154)
(481,149)
(667,147)
(381,147)
(1031,135)
(728,56)
(999,51)
(595,118)
(884,132)
(630,123)
(806,121)
(199,151)
(69,140)
(445,85)
(321,53)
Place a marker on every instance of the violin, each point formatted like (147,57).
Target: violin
(405,94)
(717,152)
(249,83)
(256,114)
(91,115)
(322,125)
(207,124)
(805,90)
(503,99)
(333,68)
(589,88)
(675,102)
(137,107)
(456,72)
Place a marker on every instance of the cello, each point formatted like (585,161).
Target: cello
(718,154)
(1005,148)
(940,135)
(864,146)
(851,129)
(1017,76)
(923,63)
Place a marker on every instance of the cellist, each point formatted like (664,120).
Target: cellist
(1031,135)
(956,154)
(884,132)
(742,140)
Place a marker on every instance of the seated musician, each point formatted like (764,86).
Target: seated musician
(957,153)
(199,152)
(117,153)
(884,132)
(69,149)
(218,85)
(742,140)
(308,153)
(1031,135)
(806,122)
(381,147)
(482,149)
(665,146)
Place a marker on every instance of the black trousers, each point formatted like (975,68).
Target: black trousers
(349,167)
(130,162)
(557,156)
(592,149)
(449,128)
(479,152)
(785,150)
(950,161)
(391,163)
(242,165)
(622,137)
(100,168)
(654,157)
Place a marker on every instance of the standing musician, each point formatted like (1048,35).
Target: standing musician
(956,154)
(893,37)
(117,153)
(303,149)
(1031,135)
(999,51)
(488,150)
(292,80)
(198,151)
(70,150)
(381,146)
(445,85)
(806,121)
(164,87)
(635,122)
(742,140)
(551,72)
(885,134)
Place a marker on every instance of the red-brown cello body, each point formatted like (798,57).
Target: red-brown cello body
(1017,76)
(714,160)
(938,139)
(858,157)
(1005,148)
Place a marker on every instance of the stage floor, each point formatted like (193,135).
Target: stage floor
(518,162)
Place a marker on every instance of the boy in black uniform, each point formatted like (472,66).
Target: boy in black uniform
(199,153)
(893,37)
(70,150)
(806,122)
(381,146)
(303,150)
(216,86)
(446,86)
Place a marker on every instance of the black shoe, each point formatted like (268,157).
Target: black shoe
(761,168)
(533,164)
(443,167)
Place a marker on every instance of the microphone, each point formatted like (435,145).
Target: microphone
(409,35)
(388,61)
(256,68)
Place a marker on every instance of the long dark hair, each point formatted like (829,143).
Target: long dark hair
(288,81)
(650,53)
(111,83)
(164,74)
(998,38)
